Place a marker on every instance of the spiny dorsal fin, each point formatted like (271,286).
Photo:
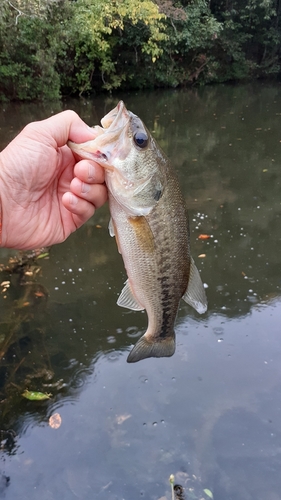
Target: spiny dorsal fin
(154,348)
(195,294)
(127,299)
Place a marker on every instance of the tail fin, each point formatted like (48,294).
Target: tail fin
(152,347)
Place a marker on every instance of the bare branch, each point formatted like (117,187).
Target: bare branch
(37,12)
(20,12)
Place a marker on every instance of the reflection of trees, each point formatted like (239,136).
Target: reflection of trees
(25,359)
(233,194)
(50,339)
(226,145)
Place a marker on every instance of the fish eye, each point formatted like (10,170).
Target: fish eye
(141,139)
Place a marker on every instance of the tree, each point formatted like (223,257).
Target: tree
(100,25)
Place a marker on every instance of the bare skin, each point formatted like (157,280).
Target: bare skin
(46,193)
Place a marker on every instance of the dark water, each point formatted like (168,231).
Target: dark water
(211,414)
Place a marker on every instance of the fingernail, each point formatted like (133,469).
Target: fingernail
(73,199)
(85,188)
(91,173)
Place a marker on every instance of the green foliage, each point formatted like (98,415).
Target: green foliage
(191,41)
(249,44)
(100,25)
(27,55)
(50,48)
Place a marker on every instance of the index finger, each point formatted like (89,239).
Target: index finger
(64,126)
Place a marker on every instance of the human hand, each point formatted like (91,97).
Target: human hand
(45,193)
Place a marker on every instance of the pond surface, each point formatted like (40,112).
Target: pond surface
(211,414)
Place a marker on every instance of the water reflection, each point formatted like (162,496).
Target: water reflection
(210,414)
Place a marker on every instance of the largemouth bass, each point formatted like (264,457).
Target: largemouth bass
(150,224)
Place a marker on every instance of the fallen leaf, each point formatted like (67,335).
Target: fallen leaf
(208,493)
(36,396)
(202,256)
(122,418)
(98,226)
(106,486)
(43,255)
(204,236)
(55,421)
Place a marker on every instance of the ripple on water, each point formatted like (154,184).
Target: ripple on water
(133,332)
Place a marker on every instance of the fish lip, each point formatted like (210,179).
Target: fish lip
(116,115)
(119,115)
(98,156)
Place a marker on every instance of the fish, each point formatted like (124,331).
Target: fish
(150,223)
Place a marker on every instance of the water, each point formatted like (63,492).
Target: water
(211,413)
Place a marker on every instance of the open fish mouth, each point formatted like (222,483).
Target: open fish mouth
(120,146)
(116,118)
(103,148)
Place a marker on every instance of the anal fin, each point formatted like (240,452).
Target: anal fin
(128,300)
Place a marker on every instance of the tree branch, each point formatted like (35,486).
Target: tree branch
(20,12)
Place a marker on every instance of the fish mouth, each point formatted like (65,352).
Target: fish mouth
(103,148)
(116,117)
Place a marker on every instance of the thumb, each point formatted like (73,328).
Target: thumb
(65,126)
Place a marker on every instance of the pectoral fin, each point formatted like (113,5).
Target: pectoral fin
(113,232)
(111,228)
(127,299)
(143,233)
(195,294)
